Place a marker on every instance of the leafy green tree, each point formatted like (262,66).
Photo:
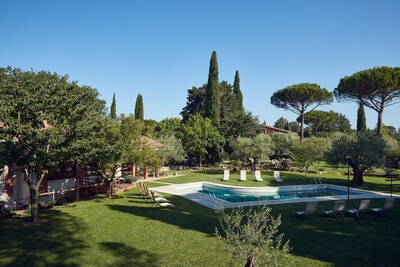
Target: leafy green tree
(239,124)
(365,149)
(375,88)
(309,151)
(324,121)
(139,109)
(361,121)
(170,126)
(195,102)
(299,97)
(282,144)
(113,108)
(199,136)
(252,150)
(282,123)
(237,94)
(48,121)
(294,127)
(172,149)
(150,128)
(252,235)
(212,100)
(130,144)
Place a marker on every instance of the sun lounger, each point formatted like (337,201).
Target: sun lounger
(226,175)
(257,175)
(338,209)
(310,209)
(243,175)
(364,207)
(277,176)
(159,203)
(388,205)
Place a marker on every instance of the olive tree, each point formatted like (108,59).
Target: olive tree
(309,151)
(253,236)
(252,150)
(375,88)
(365,150)
(299,97)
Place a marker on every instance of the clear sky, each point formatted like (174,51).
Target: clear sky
(162,48)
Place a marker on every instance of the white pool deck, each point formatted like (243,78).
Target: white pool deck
(189,191)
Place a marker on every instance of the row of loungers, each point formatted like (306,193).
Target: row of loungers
(257,176)
(339,209)
(158,199)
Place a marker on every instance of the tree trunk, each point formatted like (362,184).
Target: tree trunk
(379,126)
(33,199)
(302,127)
(200,165)
(250,262)
(358,175)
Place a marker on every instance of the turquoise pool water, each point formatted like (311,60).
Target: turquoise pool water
(233,196)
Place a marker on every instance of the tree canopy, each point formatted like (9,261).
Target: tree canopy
(212,99)
(299,97)
(375,88)
(113,108)
(139,109)
(48,120)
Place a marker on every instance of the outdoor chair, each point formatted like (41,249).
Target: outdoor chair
(226,175)
(142,189)
(157,197)
(388,205)
(243,175)
(364,207)
(160,203)
(277,176)
(338,209)
(310,209)
(258,176)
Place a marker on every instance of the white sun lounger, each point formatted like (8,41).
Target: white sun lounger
(258,176)
(226,175)
(277,176)
(243,175)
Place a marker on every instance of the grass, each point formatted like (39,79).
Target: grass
(127,230)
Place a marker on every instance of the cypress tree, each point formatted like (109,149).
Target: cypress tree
(113,109)
(139,110)
(361,121)
(212,101)
(237,93)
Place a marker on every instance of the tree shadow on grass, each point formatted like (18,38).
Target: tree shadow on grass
(186,214)
(50,243)
(344,241)
(130,256)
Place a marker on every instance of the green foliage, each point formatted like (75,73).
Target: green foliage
(113,108)
(366,150)
(282,123)
(253,236)
(323,121)
(200,135)
(130,134)
(172,150)
(170,126)
(299,97)
(139,109)
(282,144)
(309,151)
(252,150)
(375,88)
(361,120)
(150,128)
(237,94)
(212,99)
(195,102)
(48,121)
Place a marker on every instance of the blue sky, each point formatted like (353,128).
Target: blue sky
(162,48)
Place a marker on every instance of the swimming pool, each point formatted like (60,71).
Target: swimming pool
(233,196)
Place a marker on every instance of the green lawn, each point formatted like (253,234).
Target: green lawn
(129,231)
